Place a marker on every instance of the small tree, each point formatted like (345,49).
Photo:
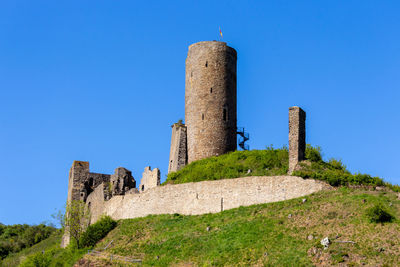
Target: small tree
(77,219)
(59,218)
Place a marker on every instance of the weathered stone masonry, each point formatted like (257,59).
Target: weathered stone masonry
(210,100)
(178,152)
(297,136)
(203,197)
(150,179)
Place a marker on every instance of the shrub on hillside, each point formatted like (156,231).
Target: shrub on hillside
(379,214)
(39,259)
(313,153)
(97,231)
(337,164)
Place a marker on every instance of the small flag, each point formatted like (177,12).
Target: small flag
(220,32)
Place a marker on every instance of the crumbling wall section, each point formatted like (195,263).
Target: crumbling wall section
(81,184)
(121,181)
(297,137)
(78,174)
(150,179)
(178,152)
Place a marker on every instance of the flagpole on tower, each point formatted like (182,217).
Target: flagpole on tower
(220,33)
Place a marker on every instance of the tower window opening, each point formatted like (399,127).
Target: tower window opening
(142,187)
(211,90)
(206,64)
(224,115)
(202,116)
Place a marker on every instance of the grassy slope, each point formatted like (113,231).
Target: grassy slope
(271,162)
(267,162)
(264,234)
(60,257)
(14,259)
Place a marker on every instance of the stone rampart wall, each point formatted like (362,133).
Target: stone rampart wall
(202,197)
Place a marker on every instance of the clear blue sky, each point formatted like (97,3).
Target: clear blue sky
(102,81)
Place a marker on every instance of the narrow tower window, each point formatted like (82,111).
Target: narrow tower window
(225,114)
(211,90)
(202,116)
(206,64)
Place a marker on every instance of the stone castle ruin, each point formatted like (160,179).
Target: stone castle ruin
(210,129)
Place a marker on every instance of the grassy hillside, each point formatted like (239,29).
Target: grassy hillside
(277,234)
(53,255)
(15,258)
(232,165)
(362,223)
(272,162)
(14,238)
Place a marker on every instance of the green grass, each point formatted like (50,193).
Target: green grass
(271,162)
(234,164)
(264,234)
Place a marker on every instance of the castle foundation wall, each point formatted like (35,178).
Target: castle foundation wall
(203,197)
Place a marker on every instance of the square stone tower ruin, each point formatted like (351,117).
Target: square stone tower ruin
(297,136)
(178,152)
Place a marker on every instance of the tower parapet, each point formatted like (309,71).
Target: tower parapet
(210,100)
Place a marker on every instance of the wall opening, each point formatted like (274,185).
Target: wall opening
(206,64)
(142,187)
(91,183)
(202,116)
(225,114)
(211,90)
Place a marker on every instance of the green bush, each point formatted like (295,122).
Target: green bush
(39,259)
(97,231)
(313,153)
(54,256)
(379,214)
(337,164)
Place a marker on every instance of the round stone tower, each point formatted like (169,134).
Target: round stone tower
(210,100)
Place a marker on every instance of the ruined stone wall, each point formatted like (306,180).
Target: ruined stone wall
(78,174)
(178,152)
(121,181)
(297,136)
(210,100)
(203,197)
(150,179)
(81,183)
